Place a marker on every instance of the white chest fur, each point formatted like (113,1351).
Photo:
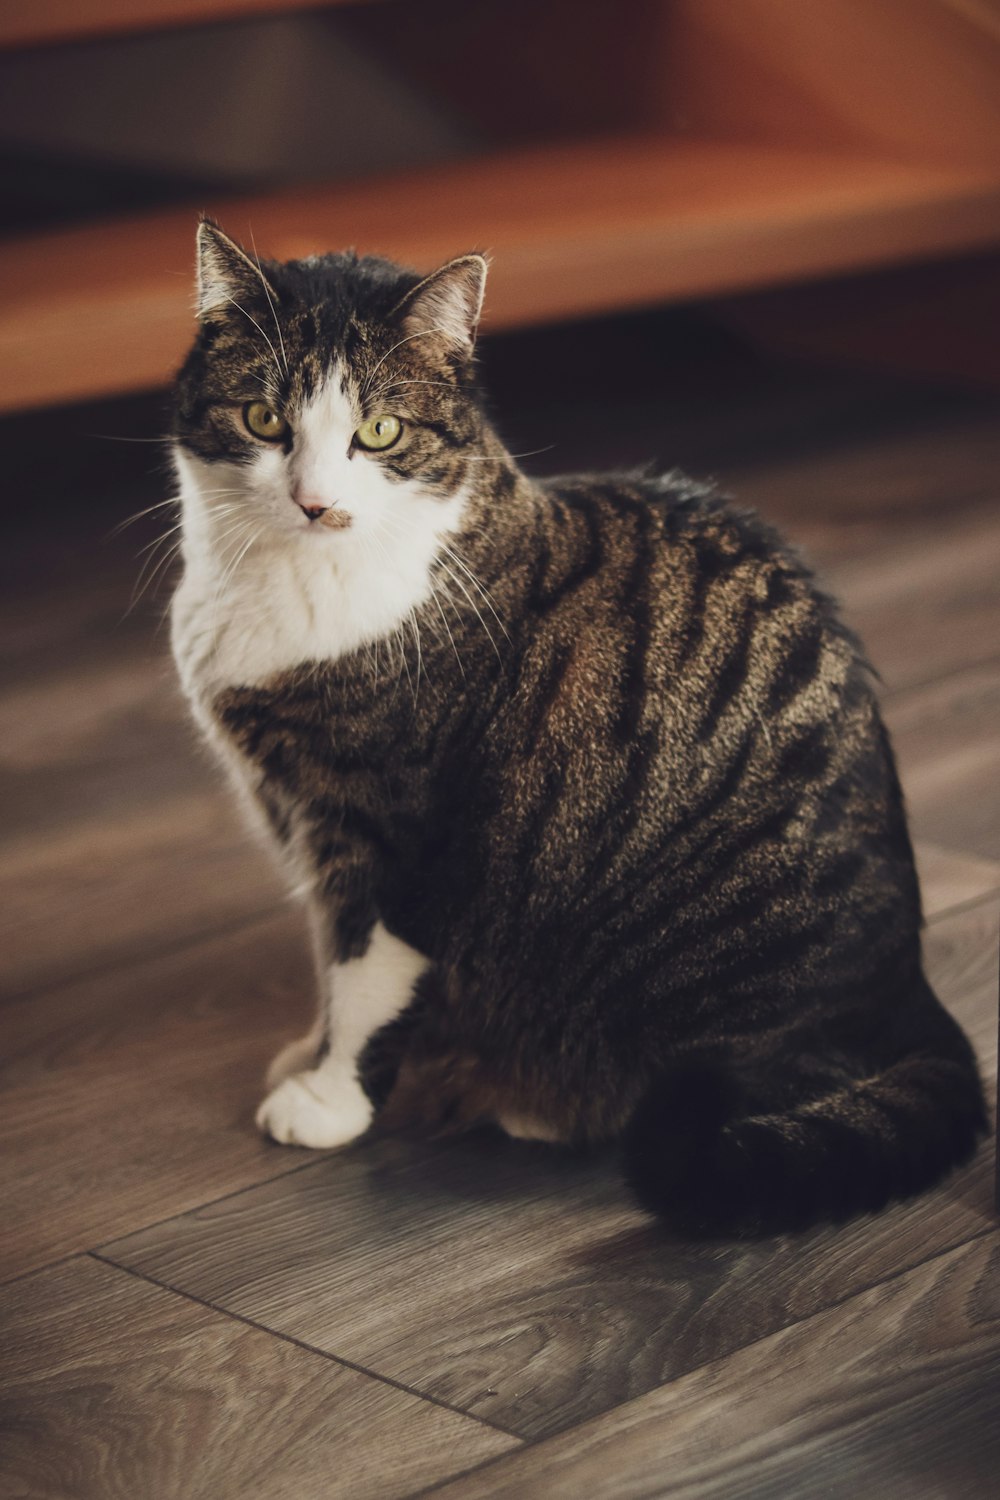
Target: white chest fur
(303,597)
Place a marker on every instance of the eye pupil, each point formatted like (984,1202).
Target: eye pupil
(263,421)
(378,433)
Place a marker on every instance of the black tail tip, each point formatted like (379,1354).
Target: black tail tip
(710,1152)
(671,1150)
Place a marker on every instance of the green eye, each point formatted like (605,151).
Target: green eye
(264,422)
(378,433)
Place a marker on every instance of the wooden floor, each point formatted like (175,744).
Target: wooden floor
(191,1311)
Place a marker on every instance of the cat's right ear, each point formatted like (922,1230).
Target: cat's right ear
(226,274)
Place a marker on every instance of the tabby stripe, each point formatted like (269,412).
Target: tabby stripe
(543,599)
(798,665)
(637,604)
(805,758)
(546,696)
(705,568)
(731,676)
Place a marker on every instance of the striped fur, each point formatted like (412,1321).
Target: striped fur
(621,780)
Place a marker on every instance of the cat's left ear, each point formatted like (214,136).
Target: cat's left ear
(226,273)
(448,302)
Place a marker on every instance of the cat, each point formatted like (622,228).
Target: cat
(582,781)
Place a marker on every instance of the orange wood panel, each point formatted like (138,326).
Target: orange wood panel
(916,79)
(26,23)
(576,229)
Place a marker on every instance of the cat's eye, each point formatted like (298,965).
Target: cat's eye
(264,422)
(378,433)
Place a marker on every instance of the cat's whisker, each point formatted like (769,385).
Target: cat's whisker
(386,390)
(260,330)
(152,566)
(419,334)
(477,583)
(502,458)
(139,515)
(270,303)
(171,531)
(456,578)
(444,620)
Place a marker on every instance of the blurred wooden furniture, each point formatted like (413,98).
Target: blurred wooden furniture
(639,153)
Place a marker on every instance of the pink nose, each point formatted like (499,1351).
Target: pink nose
(310,505)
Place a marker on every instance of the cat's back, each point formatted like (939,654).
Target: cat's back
(706,603)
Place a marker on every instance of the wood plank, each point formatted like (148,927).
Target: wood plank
(520,1283)
(577,228)
(947,738)
(826,1407)
(31,23)
(130,1096)
(949,878)
(117,834)
(119,888)
(110,1386)
(925,610)
(910,77)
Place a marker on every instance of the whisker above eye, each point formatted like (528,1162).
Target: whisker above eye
(270,303)
(420,333)
(260,330)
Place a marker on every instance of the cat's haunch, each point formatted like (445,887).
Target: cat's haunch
(582,781)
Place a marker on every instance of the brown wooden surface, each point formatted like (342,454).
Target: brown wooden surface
(915,1413)
(910,78)
(151,970)
(576,228)
(111,1387)
(27,23)
(562,1290)
(131,1094)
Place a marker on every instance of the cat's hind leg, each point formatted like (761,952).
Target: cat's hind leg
(326,1105)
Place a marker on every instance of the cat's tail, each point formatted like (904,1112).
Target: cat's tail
(720,1148)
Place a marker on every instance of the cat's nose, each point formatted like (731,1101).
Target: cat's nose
(312,511)
(310,504)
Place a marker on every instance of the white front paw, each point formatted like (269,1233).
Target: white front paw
(310,1109)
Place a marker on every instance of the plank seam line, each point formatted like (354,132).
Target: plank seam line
(970,904)
(530,1444)
(288,1338)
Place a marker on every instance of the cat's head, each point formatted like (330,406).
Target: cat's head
(330,400)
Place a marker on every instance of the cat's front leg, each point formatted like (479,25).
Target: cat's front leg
(325,1105)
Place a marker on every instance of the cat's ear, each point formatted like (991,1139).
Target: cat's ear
(448,302)
(226,274)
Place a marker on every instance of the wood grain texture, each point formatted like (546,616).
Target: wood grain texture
(924,611)
(115,833)
(820,1408)
(129,1096)
(110,1387)
(520,1283)
(947,738)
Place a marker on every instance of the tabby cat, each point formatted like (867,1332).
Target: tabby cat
(582,780)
